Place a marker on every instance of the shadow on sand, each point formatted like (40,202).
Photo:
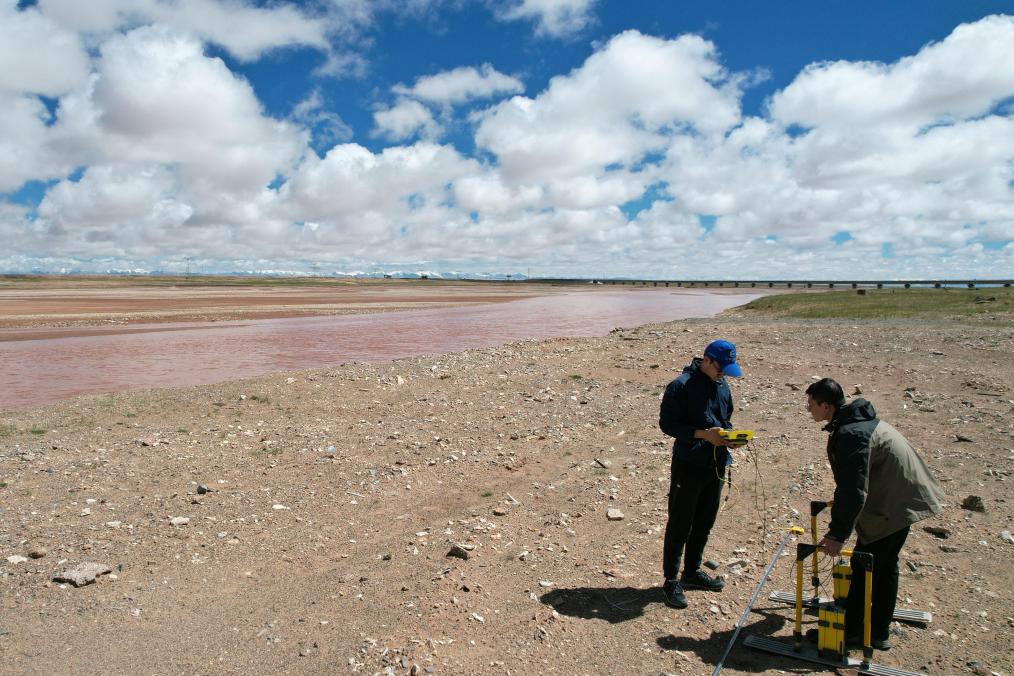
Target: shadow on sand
(621,604)
(741,658)
(612,604)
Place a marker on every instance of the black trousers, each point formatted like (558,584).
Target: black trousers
(694,497)
(885,586)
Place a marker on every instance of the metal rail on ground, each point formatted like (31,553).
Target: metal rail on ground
(795,530)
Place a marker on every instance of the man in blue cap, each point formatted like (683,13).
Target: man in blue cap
(695,407)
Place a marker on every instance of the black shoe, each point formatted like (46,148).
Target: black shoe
(854,639)
(673,594)
(878,644)
(701,580)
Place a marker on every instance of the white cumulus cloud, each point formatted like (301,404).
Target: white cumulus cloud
(913,156)
(243,28)
(554,18)
(461,84)
(38,55)
(158,98)
(621,104)
(962,77)
(406,119)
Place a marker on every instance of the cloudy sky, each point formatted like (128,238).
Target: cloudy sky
(670,140)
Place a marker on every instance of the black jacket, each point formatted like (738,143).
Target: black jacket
(691,402)
(881,483)
(848,451)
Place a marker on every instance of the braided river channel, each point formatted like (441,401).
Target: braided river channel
(41,367)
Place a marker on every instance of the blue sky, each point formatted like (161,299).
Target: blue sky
(570,137)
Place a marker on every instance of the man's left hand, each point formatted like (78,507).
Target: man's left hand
(832,547)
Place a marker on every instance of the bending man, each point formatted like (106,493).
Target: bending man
(882,487)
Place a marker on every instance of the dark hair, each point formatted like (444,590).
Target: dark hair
(826,391)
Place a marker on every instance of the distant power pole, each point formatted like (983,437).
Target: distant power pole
(189,259)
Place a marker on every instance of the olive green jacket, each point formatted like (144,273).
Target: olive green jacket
(881,484)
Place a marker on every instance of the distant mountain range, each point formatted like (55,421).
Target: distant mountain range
(358,274)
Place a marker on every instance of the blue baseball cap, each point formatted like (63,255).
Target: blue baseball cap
(723,353)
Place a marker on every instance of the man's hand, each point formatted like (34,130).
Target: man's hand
(711,436)
(832,547)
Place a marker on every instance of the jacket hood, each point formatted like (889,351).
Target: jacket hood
(857,410)
(694,367)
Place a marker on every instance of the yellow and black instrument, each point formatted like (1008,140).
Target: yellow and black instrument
(736,437)
(831,649)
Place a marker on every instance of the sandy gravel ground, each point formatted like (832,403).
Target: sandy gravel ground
(301,523)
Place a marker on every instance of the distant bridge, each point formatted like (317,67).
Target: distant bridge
(806,284)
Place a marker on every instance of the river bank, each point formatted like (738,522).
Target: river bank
(301,522)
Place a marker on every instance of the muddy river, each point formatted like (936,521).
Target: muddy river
(41,370)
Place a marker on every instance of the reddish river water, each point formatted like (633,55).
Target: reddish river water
(36,371)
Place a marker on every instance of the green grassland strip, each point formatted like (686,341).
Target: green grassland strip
(994,304)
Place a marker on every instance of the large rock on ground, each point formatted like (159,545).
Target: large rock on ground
(83,573)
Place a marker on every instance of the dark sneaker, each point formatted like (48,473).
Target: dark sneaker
(701,580)
(878,644)
(855,640)
(673,594)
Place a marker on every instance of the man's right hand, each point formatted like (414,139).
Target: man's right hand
(711,436)
(831,547)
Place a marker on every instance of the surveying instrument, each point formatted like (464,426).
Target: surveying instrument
(831,649)
(920,617)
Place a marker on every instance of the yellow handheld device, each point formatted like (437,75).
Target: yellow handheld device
(736,437)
